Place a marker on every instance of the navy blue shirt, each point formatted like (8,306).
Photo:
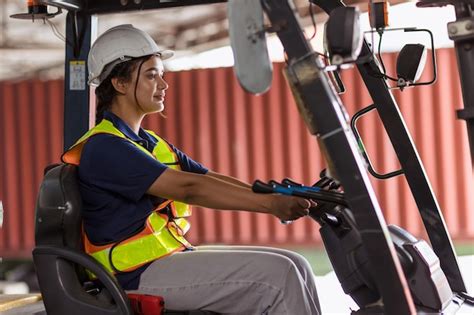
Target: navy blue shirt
(114,176)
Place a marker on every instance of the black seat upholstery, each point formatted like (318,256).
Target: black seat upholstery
(58,255)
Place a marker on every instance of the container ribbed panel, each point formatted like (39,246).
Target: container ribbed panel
(214,121)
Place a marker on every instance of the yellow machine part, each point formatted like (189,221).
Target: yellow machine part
(11,301)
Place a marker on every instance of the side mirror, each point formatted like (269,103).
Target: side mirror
(410,63)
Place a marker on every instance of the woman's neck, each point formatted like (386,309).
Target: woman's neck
(129,115)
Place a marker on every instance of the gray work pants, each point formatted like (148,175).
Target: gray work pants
(234,280)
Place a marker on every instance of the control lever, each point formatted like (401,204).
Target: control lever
(293,185)
(327,181)
(299,190)
(319,213)
(289,182)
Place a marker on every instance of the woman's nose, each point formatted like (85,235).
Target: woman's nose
(162,85)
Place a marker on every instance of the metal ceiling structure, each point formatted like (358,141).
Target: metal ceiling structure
(35,49)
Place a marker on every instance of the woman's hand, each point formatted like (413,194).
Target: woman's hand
(288,207)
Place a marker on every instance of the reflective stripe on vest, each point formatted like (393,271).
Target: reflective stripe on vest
(156,240)
(161,235)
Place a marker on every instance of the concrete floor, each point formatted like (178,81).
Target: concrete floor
(332,298)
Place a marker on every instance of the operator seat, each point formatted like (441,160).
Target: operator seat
(59,258)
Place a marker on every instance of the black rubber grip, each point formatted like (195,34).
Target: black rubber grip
(261,188)
(274,182)
(290,182)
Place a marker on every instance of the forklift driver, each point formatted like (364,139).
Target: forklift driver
(136,188)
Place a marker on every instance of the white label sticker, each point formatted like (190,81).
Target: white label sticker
(1,214)
(77,75)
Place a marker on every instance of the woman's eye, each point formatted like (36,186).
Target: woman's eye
(151,75)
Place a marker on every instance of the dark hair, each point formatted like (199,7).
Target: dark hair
(105,93)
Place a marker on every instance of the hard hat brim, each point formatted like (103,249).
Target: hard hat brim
(166,54)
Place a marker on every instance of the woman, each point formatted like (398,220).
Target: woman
(135,189)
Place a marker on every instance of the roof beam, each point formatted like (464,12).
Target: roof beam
(114,6)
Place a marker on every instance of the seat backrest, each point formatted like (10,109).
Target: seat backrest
(58,209)
(58,256)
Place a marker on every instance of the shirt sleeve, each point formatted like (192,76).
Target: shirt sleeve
(118,166)
(188,164)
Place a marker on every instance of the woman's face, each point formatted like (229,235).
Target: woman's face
(151,87)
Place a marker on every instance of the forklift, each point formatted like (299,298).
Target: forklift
(383,268)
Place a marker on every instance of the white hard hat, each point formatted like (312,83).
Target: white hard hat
(119,44)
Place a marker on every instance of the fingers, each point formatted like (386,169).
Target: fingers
(304,203)
(299,214)
(304,212)
(307,203)
(292,208)
(301,208)
(292,213)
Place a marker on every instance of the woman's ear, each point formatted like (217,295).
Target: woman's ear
(120,85)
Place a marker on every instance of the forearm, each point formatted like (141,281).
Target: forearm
(209,191)
(229,179)
(216,193)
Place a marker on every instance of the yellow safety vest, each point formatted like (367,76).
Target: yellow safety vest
(161,235)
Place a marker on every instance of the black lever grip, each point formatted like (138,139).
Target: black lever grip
(261,188)
(274,183)
(290,182)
